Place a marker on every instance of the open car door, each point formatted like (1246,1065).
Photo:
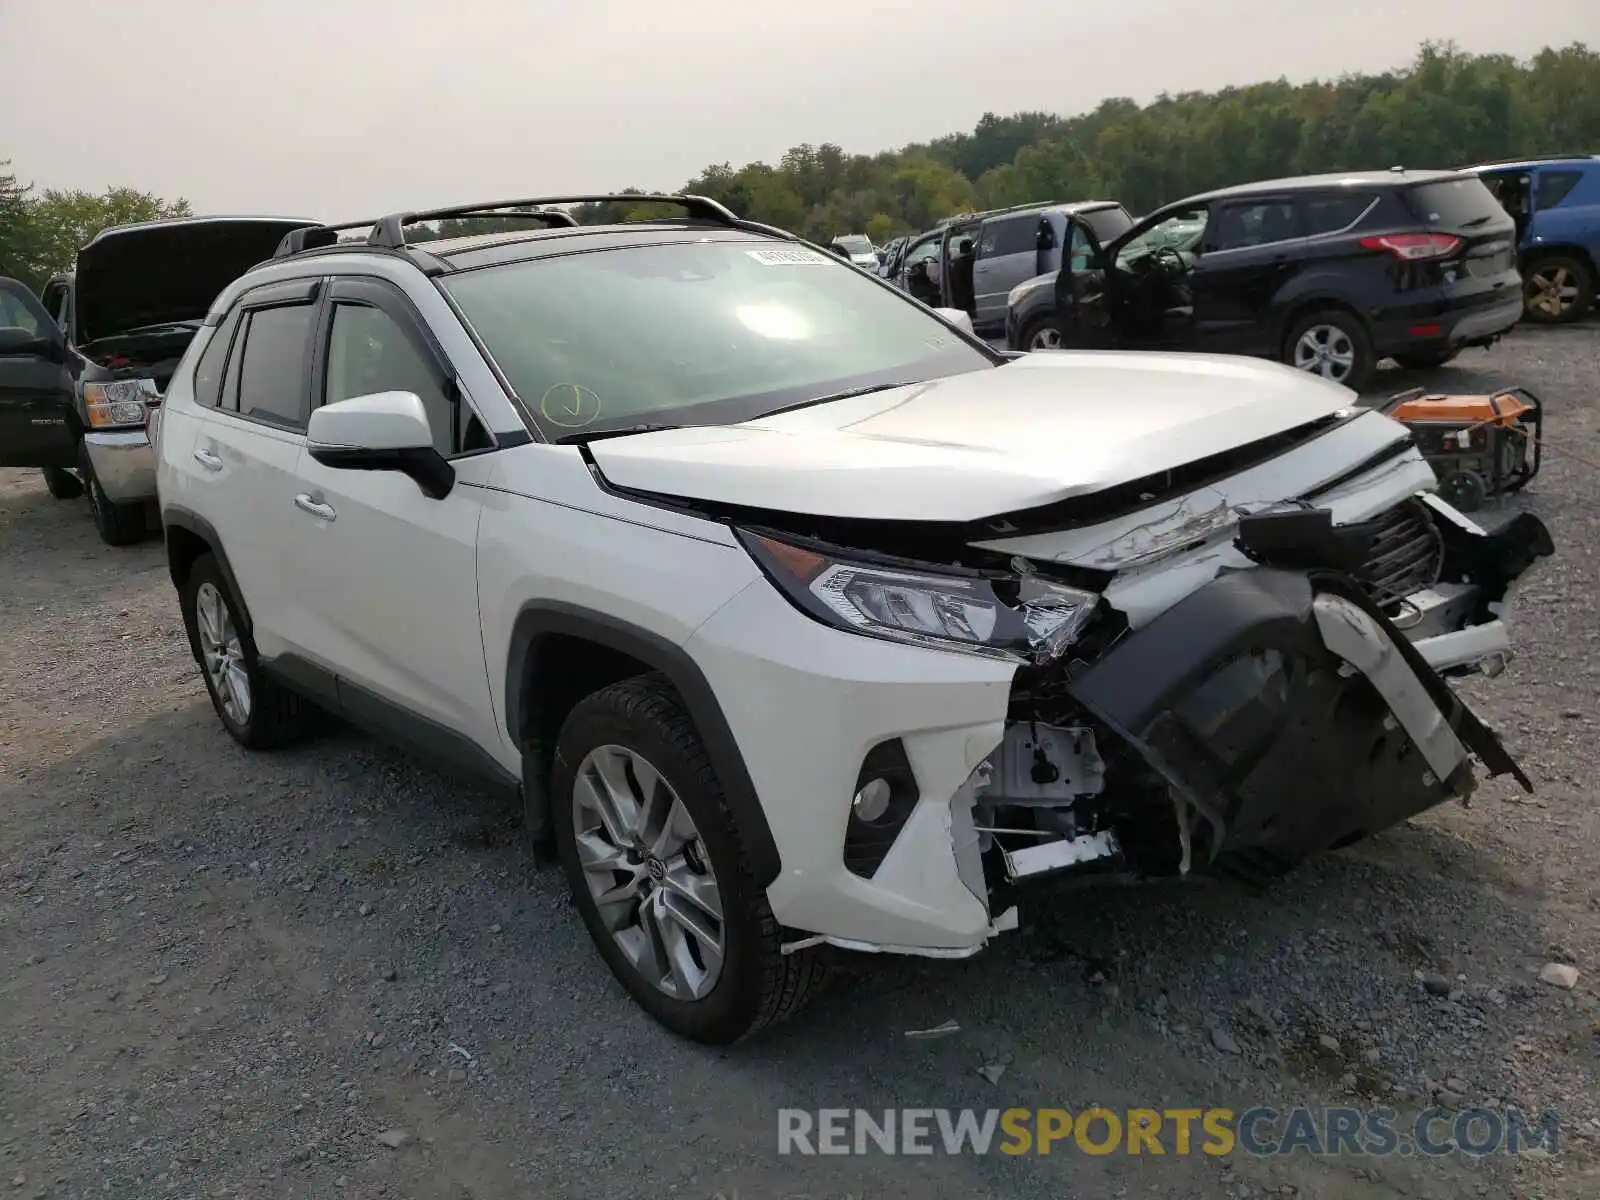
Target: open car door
(35,386)
(1082,307)
(1137,292)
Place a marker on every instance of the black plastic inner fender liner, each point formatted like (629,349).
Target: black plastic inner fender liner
(542,619)
(1492,560)
(1234,698)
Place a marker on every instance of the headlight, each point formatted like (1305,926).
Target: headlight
(121,402)
(1018,618)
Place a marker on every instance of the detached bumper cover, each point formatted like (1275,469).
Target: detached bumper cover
(1289,713)
(124,463)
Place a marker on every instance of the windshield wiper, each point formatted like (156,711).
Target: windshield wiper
(583,436)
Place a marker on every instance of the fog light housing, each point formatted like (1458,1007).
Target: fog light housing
(871,803)
(886,792)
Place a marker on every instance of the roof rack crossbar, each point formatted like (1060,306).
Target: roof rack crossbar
(1533,159)
(389,232)
(314,237)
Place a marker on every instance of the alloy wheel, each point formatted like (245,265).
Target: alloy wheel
(1325,350)
(648,872)
(1046,338)
(1550,290)
(223,653)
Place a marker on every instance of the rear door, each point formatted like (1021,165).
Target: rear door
(1008,254)
(1252,248)
(249,442)
(35,386)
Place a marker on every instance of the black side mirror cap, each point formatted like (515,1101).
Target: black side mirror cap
(16,342)
(430,470)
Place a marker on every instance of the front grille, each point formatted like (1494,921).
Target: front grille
(1404,555)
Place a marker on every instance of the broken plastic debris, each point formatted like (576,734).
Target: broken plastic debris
(992,1071)
(393,1138)
(937,1031)
(452,1048)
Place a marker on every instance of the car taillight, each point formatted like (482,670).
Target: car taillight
(1414,246)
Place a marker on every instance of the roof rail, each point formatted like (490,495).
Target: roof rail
(389,232)
(1535,158)
(314,237)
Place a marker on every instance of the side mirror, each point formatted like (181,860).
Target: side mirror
(961,319)
(384,431)
(17,342)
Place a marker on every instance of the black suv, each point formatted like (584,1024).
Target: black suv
(1328,273)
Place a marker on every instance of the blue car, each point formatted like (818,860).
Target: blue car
(1556,205)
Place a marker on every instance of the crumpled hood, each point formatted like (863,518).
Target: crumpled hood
(1036,431)
(156,272)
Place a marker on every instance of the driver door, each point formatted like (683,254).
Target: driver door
(1150,279)
(1082,306)
(35,385)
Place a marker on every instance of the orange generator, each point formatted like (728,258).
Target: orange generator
(1478,446)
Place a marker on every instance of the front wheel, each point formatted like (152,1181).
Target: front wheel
(658,870)
(1334,344)
(1557,290)
(1043,333)
(62,483)
(117,524)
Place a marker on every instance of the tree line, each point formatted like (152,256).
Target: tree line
(1447,108)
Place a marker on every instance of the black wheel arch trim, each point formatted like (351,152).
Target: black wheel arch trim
(174,517)
(542,619)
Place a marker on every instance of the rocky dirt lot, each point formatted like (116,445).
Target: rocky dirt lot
(333,972)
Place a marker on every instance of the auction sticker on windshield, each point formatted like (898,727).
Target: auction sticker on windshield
(787,258)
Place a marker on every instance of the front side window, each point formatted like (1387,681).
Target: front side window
(14,314)
(697,333)
(369,352)
(272,365)
(1252,223)
(1178,230)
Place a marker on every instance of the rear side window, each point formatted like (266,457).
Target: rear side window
(213,362)
(272,365)
(1456,204)
(1331,213)
(1014,235)
(1555,186)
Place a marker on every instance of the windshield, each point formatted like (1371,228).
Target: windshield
(854,244)
(697,333)
(1108,223)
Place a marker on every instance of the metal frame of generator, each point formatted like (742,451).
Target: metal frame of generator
(1479,446)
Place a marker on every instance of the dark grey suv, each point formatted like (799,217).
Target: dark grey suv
(1329,273)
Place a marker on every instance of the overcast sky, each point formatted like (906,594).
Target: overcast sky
(340,108)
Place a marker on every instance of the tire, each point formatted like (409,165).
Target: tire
(630,729)
(62,483)
(1557,289)
(1042,333)
(270,715)
(1426,360)
(1334,344)
(117,524)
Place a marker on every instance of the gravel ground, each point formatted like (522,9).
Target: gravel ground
(227,975)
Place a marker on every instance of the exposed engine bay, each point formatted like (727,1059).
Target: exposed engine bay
(152,353)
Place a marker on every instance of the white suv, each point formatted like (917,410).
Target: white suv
(800,618)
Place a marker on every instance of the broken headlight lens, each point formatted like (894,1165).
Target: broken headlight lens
(1021,618)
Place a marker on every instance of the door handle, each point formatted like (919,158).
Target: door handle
(208,460)
(308,503)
